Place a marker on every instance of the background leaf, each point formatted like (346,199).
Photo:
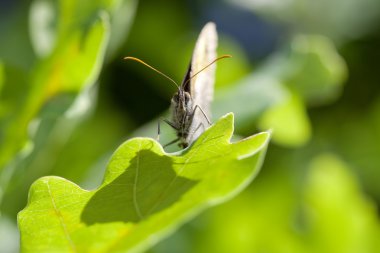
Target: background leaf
(314,217)
(59,89)
(55,82)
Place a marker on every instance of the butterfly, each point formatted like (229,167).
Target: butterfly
(191,103)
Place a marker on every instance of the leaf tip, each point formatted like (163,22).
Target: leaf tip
(229,117)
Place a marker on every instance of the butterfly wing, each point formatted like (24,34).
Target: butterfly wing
(202,85)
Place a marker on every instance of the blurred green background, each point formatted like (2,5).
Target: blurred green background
(305,69)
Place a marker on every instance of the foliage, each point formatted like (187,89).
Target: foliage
(318,219)
(305,69)
(146,194)
(54,87)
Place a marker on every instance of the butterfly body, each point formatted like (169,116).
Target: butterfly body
(183,113)
(191,103)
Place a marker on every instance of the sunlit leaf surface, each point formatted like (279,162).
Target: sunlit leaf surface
(145,195)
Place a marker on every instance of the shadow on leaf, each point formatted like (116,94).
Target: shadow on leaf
(147,186)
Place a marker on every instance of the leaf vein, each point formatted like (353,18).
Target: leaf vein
(135,203)
(61,220)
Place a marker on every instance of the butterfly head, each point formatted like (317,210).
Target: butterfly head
(182,101)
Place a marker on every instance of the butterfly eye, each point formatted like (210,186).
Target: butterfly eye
(176,98)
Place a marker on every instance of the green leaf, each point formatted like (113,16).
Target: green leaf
(334,200)
(146,194)
(327,212)
(72,63)
(249,98)
(311,67)
(289,122)
(311,73)
(70,40)
(59,73)
(315,69)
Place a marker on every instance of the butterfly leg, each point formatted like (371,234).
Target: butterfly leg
(159,128)
(200,124)
(170,143)
(204,114)
(196,129)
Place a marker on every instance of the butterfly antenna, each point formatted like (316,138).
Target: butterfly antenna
(208,65)
(147,65)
